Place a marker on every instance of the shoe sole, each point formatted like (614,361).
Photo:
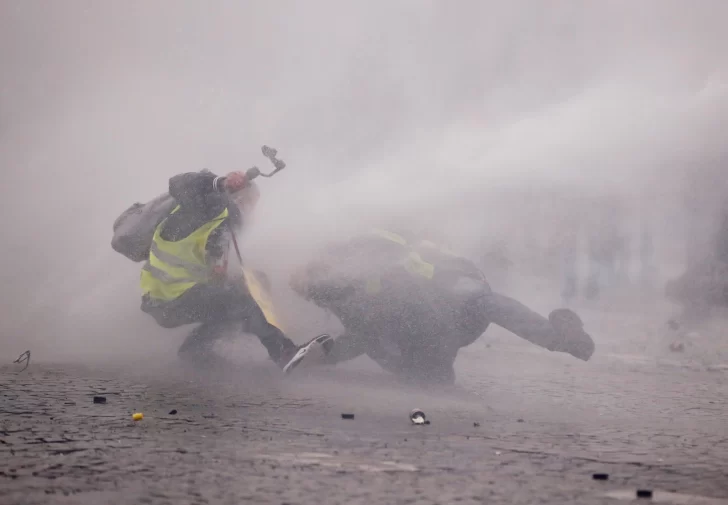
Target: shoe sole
(312,352)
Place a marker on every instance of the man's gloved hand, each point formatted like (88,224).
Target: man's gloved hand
(576,341)
(252,173)
(235,181)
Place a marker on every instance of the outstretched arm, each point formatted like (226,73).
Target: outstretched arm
(522,321)
(515,317)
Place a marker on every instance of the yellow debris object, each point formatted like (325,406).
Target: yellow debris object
(137,416)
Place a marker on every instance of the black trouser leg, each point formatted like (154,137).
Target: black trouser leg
(429,365)
(346,347)
(214,306)
(351,345)
(272,338)
(203,337)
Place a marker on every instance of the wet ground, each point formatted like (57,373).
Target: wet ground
(522,426)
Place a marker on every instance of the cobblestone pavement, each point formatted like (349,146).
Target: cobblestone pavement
(545,424)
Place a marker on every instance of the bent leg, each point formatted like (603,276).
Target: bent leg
(346,347)
(217,307)
(203,337)
(272,338)
(350,346)
(426,365)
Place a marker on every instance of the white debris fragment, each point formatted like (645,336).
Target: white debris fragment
(417,417)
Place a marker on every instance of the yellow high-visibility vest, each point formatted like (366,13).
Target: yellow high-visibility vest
(175,267)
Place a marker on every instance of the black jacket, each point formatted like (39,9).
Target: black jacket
(201,197)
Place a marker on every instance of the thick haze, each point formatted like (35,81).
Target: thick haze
(379,108)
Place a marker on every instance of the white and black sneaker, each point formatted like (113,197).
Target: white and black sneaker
(312,352)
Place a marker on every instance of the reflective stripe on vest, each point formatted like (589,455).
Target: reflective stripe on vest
(393,237)
(174,261)
(175,267)
(163,276)
(415,265)
(412,263)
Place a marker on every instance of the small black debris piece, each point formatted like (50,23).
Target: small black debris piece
(347,416)
(173,412)
(476,425)
(600,476)
(520,421)
(427,421)
(99,399)
(644,493)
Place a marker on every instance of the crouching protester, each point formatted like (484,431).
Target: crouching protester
(185,278)
(411,306)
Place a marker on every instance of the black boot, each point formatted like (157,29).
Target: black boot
(197,347)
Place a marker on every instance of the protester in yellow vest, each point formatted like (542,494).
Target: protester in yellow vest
(411,305)
(185,281)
